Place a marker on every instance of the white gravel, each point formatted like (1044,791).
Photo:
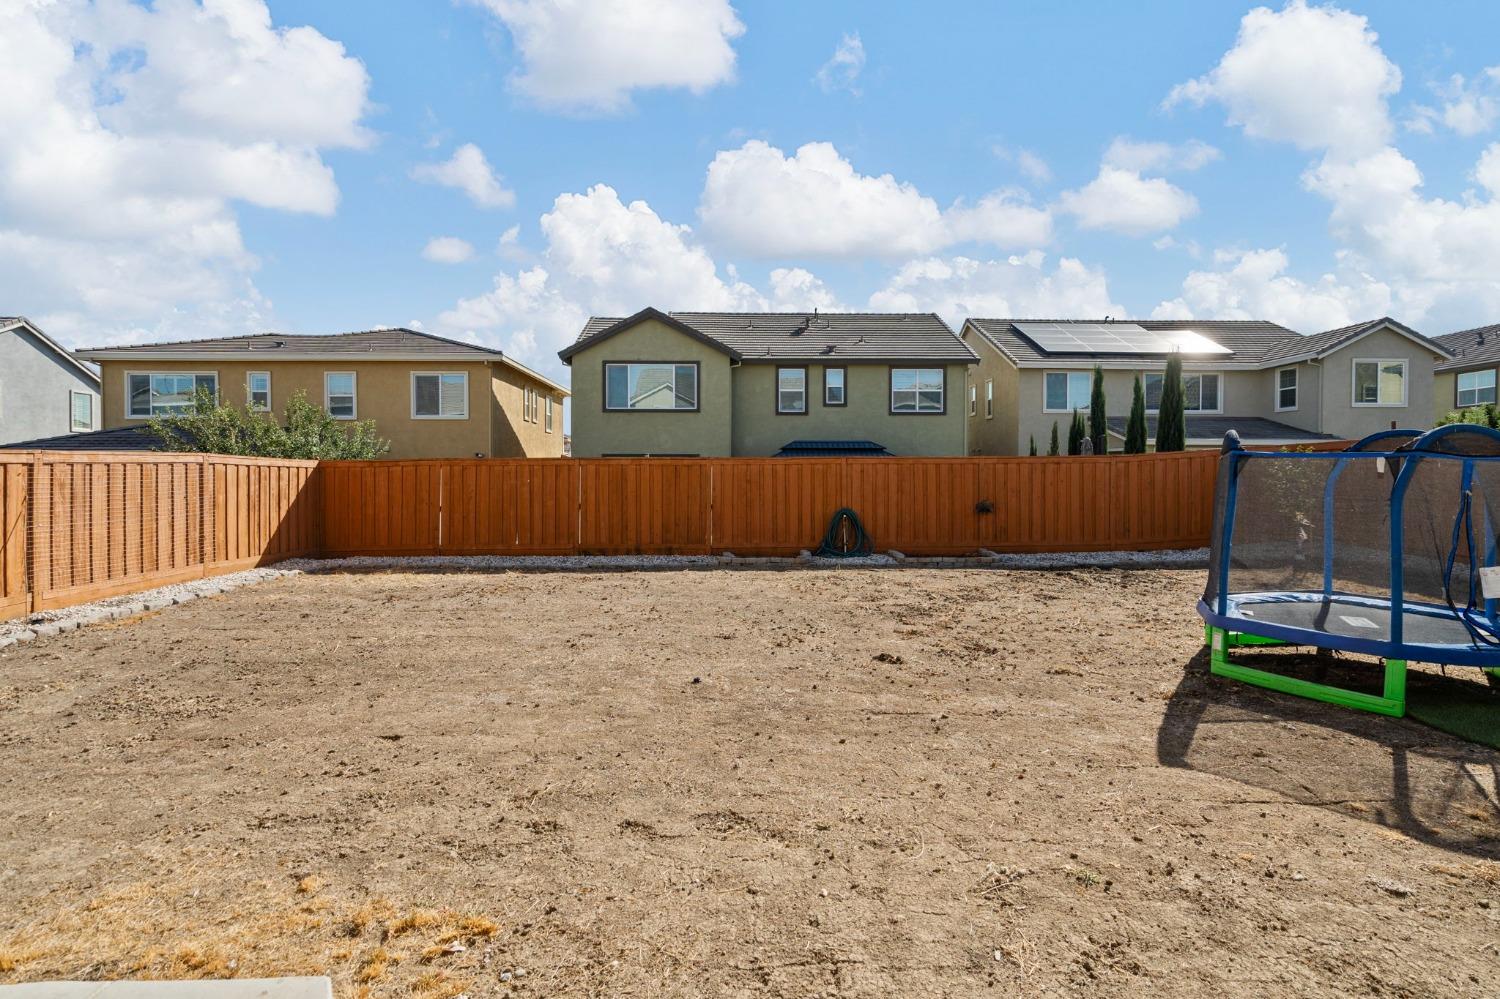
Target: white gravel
(53,622)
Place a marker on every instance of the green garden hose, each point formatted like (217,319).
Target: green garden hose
(845,538)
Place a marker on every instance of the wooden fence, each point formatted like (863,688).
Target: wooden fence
(78,527)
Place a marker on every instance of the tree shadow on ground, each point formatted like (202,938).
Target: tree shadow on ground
(1394,772)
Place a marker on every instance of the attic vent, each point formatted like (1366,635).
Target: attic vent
(269,346)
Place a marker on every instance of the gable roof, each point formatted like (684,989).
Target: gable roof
(1254,343)
(824,337)
(384,344)
(1471,348)
(21,322)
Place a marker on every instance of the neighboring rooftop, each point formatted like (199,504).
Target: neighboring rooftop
(1471,348)
(392,343)
(825,337)
(832,449)
(1249,343)
(118,439)
(1203,431)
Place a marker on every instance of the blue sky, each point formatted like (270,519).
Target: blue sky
(496,170)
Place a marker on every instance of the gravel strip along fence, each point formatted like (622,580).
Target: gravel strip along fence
(54,622)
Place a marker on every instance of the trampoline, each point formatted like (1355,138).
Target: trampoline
(1381,549)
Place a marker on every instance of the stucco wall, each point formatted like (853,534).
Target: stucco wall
(705,432)
(34,387)
(1445,392)
(383,394)
(996,435)
(1344,419)
(513,435)
(759,430)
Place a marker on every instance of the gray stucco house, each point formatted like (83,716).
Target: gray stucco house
(44,390)
(719,384)
(1269,383)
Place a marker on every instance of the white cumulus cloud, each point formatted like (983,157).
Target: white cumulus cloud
(1467,107)
(1311,76)
(468,170)
(590,55)
(759,201)
(841,71)
(1016,287)
(131,131)
(448,250)
(1254,284)
(1121,200)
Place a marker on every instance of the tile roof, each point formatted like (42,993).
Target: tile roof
(828,337)
(1211,429)
(1480,345)
(1255,343)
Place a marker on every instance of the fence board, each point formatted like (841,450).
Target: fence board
(15,501)
(644,505)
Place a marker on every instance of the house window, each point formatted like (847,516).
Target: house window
(989,398)
(549,414)
(916,390)
(1379,382)
(973,400)
(439,395)
(80,411)
(340,396)
(167,394)
(834,392)
(258,391)
(1286,389)
(531,405)
(1200,392)
(791,390)
(651,386)
(1065,391)
(1475,388)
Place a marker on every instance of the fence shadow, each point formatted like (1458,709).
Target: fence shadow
(1392,772)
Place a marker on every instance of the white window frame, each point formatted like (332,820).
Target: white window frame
(548,424)
(1185,376)
(353,396)
(151,374)
(1458,387)
(250,392)
(1277,389)
(989,398)
(973,400)
(1378,362)
(72,428)
(942,374)
(1070,373)
(440,375)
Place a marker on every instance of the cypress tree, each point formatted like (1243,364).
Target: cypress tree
(1076,433)
(1171,421)
(1033,445)
(1135,429)
(1098,428)
(1052,451)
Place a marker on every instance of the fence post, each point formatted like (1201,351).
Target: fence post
(39,562)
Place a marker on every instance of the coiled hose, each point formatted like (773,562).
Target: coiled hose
(845,537)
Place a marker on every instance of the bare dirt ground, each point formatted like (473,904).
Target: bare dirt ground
(859,783)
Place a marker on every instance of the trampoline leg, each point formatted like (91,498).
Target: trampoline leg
(1392,702)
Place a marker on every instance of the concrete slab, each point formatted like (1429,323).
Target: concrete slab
(236,988)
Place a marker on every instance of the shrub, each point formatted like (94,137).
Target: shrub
(212,428)
(1076,433)
(1485,416)
(1052,451)
(1135,427)
(1033,445)
(1171,421)
(1098,426)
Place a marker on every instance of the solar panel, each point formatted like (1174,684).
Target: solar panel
(1116,338)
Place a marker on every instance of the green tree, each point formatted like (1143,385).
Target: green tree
(1033,445)
(1098,427)
(1171,421)
(1135,427)
(1076,433)
(212,428)
(1052,451)
(1485,416)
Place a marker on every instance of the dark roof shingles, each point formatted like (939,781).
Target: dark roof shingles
(379,341)
(1250,428)
(1469,348)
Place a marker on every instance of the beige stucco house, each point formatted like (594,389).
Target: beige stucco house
(716,384)
(1270,384)
(1468,379)
(429,396)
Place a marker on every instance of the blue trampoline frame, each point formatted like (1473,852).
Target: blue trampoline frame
(1225,628)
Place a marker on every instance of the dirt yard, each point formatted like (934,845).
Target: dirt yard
(851,783)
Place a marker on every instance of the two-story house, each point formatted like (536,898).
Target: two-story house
(1270,384)
(715,384)
(429,396)
(44,390)
(1468,379)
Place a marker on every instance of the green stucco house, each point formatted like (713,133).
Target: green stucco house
(759,384)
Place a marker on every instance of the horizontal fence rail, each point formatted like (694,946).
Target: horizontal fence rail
(79,527)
